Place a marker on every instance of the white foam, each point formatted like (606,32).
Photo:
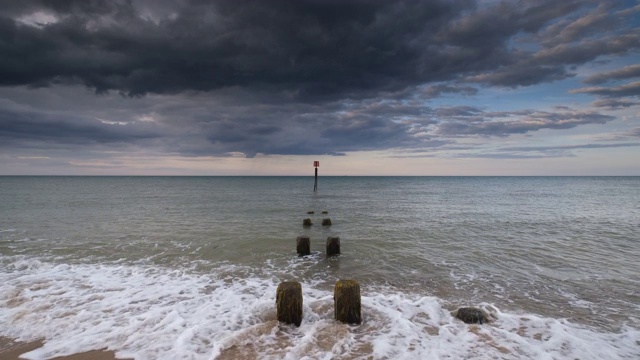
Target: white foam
(156,313)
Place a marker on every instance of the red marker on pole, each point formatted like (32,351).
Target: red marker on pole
(316,164)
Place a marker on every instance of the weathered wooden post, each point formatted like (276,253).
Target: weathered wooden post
(303,245)
(326,222)
(289,302)
(346,302)
(316,164)
(307,222)
(333,245)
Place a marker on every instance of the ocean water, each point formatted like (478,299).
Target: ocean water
(187,267)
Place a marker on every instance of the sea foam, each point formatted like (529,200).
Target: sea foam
(150,312)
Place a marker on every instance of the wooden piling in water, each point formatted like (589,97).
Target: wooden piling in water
(333,245)
(307,222)
(289,302)
(326,222)
(346,302)
(315,183)
(303,245)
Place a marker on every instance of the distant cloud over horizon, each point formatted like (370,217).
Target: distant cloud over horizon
(82,81)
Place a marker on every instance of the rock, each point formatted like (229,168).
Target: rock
(303,245)
(326,222)
(307,222)
(346,302)
(471,315)
(289,302)
(333,245)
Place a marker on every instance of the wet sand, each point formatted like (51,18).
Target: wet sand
(11,350)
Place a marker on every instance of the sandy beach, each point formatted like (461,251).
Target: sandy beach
(11,350)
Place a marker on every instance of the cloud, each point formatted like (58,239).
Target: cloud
(539,152)
(469,121)
(630,134)
(630,89)
(307,77)
(613,104)
(568,147)
(619,74)
(20,127)
(312,50)
(336,48)
(437,90)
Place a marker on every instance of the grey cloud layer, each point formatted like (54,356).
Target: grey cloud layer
(295,77)
(310,49)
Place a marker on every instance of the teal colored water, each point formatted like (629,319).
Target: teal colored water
(554,259)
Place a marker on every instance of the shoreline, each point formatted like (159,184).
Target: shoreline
(11,350)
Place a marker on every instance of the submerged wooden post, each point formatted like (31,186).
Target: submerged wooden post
(307,222)
(333,245)
(346,302)
(303,245)
(326,222)
(289,302)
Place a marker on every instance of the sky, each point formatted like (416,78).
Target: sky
(366,87)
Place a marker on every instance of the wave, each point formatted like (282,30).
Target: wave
(229,313)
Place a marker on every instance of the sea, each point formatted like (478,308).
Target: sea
(187,267)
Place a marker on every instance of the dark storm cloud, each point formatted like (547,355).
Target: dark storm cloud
(20,127)
(292,77)
(311,49)
(568,41)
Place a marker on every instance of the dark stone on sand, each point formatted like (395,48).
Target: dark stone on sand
(333,245)
(303,245)
(307,222)
(326,222)
(471,315)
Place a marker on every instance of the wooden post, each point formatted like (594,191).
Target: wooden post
(307,222)
(303,245)
(316,164)
(346,302)
(326,222)
(333,245)
(315,184)
(289,302)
